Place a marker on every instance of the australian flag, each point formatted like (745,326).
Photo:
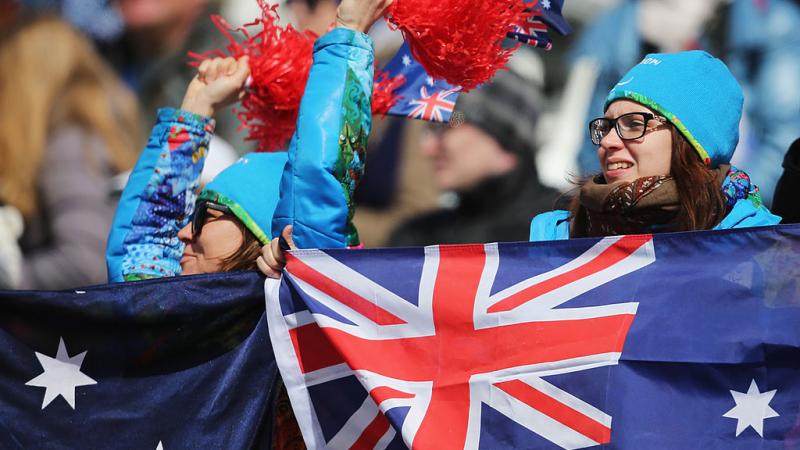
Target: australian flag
(421,96)
(534,30)
(669,341)
(181,363)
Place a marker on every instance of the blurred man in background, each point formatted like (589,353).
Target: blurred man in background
(487,163)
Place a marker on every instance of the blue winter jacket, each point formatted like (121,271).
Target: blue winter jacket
(747,211)
(326,160)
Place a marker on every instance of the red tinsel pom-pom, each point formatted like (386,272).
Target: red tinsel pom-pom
(459,41)
(280,61)
(383,96)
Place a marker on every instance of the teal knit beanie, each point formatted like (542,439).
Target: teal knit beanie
(250,188)
(694,91)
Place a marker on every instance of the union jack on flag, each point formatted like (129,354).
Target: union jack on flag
(432,107)
(534,30)
(421,96)
(467,337)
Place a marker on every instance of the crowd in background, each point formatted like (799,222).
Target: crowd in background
(80,88)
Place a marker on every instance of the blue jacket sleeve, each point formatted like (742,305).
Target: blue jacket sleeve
(550,226)
(554,225)
(326,153)
(159,198)
(746,214)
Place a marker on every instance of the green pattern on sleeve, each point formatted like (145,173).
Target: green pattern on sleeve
(352,148)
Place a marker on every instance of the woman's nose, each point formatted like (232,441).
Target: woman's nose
(611,139)
(185,233)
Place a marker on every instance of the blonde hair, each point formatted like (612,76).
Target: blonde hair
(51,75)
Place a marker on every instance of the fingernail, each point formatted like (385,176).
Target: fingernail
(283,244)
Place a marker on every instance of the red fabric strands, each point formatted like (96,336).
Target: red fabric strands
(280,61)
(459,41)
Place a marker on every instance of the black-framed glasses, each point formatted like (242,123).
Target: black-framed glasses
(629,126)
(200,214)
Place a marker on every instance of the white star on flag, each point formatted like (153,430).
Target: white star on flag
(751,409)
(429,80)
(546,4)
(160,446)
(406,60)
(61,375)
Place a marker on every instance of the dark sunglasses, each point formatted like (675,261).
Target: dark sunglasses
(628,126)
(200,214)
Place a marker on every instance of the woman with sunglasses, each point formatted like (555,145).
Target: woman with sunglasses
(162,228)
(665,143)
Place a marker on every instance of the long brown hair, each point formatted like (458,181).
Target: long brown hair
(701,204)
(244,258)
(51,76)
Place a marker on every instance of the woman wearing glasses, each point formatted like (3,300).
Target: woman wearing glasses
(665,142)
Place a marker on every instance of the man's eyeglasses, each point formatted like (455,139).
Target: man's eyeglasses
(200,214)
(629,126)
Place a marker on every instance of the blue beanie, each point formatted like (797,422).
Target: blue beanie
(250,188)
(694,91)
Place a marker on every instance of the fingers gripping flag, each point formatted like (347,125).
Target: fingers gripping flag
(662,341)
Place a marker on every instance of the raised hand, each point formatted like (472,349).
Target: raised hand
(219,82)
(359,15)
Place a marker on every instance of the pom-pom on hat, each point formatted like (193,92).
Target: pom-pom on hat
(250,188)
(694,91)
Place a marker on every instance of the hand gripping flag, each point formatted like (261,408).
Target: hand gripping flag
(420,96)
(181,363)
(669,341)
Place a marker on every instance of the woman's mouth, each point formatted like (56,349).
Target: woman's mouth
(617,170)
(620,165)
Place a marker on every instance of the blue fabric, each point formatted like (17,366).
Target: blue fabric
(326,153)
(694,91)
(554,225)
(635,342)
(159,198)
(250,188)
(183,361)
(550,226)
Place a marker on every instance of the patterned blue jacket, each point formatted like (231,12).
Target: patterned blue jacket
(326,160)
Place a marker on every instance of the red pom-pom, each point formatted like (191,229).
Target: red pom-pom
(280,61)
(459,41)
(383,96)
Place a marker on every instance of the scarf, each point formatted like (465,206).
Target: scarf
(648,204)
